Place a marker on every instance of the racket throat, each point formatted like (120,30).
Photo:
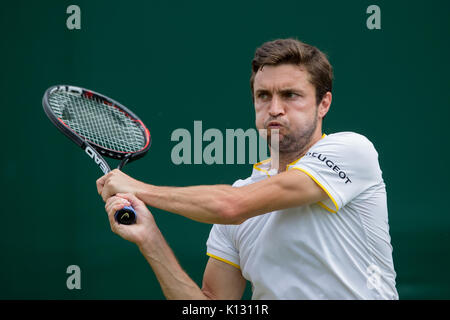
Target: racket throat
(124,161)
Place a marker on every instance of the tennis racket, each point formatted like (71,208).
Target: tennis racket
(101,126)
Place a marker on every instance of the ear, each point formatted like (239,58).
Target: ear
(324,105)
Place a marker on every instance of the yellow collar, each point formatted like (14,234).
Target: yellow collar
(266,169)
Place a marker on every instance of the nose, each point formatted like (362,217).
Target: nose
(276,107)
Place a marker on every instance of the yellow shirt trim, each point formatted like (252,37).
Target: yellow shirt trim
(256,165)
(260,163)
(223,260)
(320,203)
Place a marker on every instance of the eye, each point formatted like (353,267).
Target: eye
(263,95)
(290,95)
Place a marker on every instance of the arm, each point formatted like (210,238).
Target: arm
(222,204)
(221,281)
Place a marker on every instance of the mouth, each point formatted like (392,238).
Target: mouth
(274,125)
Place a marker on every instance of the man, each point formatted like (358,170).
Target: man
(311,225)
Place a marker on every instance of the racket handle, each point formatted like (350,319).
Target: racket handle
(126,215)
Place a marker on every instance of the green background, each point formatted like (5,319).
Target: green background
(176,62)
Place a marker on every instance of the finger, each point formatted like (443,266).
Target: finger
(135,202)
(122,203)
(101,182)
(112,221)
(109,203)
(113,201)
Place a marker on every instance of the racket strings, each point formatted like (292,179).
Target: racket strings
(98,122)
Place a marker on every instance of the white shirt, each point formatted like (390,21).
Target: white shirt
(336,249)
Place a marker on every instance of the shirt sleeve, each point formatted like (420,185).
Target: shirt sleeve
(343,165)
(220,246)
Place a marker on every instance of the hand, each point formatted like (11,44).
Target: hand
(116,181)
(145,225)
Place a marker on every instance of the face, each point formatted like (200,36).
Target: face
(286,100)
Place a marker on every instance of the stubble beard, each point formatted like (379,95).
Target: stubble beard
(295,142)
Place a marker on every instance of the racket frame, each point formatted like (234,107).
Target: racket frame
(84,143)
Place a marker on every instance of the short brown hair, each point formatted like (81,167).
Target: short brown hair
(292,51)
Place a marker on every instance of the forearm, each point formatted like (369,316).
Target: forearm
(175,283)
(224,204)
(208,204)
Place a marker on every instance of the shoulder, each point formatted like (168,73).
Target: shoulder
(345,163)
(346,144)
(348,154)
(348,138)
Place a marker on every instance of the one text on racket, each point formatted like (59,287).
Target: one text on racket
(98,160)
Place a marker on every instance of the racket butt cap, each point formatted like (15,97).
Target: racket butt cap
(126,215)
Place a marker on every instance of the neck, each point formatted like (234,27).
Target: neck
(285,158)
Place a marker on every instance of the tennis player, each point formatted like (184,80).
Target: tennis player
(311,225)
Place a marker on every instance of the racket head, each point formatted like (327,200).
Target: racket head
(87,116)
